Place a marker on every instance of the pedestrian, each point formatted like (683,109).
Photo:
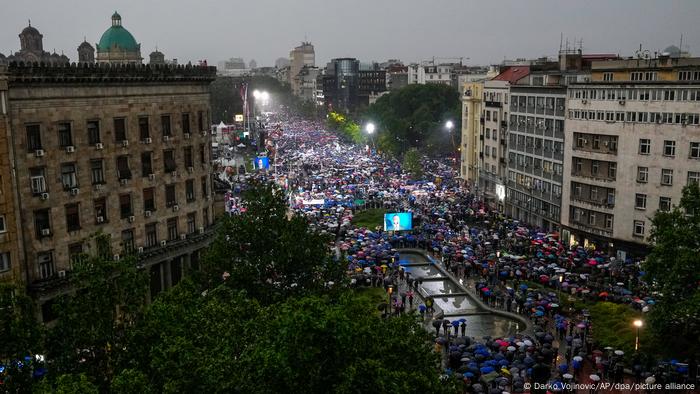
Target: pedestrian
(463,327)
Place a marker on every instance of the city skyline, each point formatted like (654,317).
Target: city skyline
(382,31)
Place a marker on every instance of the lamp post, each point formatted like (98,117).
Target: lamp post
(637,324)
(369,128)
(389,290)
(449,125)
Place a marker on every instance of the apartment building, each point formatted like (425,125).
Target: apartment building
(635,143)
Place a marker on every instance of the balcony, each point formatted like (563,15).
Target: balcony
(493,104)
(593,205)
(591,230)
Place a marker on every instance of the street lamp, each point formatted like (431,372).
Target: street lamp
(638,324)
(389,290)
(369,128)
(449,125)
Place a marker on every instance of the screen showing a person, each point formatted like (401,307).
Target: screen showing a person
(262,163)
(398,221)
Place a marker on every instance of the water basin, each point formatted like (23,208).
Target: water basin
(423,271)
(439,287)
(451,305)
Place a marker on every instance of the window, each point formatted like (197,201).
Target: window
(695,150)
(493,151)
(170,195)
(42,223)
(639,228)
(128,241)
(120,129)
(151,235)
(580,141)
(607,77)
(165,125)
(169,164)
(191,222)
(73,217)
(38,180)
(125,205)
(93,130)
(612,170)
(65,137)
(488,133)
(612,144)
(144,128)
(204,187)
(578,165)
(202,155)
(596,142)
(3,227)
(146,164)
(172,229)
(693,177)
(642,174)
(69,178)
(608,222)
(669,148)
(5,263)
(591,218)
(189,190)
(33,137)
(666,177)
(186,123)
(123,170)
(200,120)
(189,161)
(664,204)
(97,171)
(644,146)
(640,201)
(149,199)
(46,266)
(488,115)
(100,205)
(595,166)
(205,217)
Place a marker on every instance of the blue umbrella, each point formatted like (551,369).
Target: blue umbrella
(486,370)
(503,363)
(468,375)
(455,323)
(462,320)
(422,308)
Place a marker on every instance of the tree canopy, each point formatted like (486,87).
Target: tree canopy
(415,116)
(673,271)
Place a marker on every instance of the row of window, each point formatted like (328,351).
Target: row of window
(69,171)
(493,135)
(534,204)
(45,259)
(536,104)
(531,123)
(595,168)
(596,142)
(669,148)
(526,161)
(636,117)
(490,149)
(93,130)
(636,94)
(666,178)
(534,183)
(592,218)
(522,141)
(42,217)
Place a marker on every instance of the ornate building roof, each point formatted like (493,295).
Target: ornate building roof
(117,38)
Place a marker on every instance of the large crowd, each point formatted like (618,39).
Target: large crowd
(508,264)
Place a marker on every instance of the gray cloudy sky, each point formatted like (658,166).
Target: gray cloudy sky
(485,31)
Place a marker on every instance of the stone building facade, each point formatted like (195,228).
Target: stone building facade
(10,262)
(128,157)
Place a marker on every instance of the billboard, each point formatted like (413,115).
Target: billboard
(398,221)
(261,163)
(239,118)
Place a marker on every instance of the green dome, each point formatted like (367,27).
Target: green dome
(118,36)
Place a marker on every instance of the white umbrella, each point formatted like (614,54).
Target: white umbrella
(578,358)
(568,376)
(527,342)
(595,378)
(619,353)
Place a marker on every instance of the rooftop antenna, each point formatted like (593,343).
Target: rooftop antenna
(30,22)
(561,39)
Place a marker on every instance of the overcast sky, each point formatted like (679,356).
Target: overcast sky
(485,31)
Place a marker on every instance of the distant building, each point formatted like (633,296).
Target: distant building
(117,45)
(281,62)
(233,67)
(32,49)
(306,81)
(156,58)
(348,85)
(300,57)
(86,53)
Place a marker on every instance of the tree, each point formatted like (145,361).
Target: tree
(673,270)
(415,116)
(336,344)
(190,341)
(267,253)
(412,163)
(75,384)
(90,333)
(21,336)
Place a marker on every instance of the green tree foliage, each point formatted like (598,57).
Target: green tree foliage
(190,340)
(90,333)
(318,344)
(130,381)
(348,129)
(75,384)
(412,163)
(673,270)
(415,116)
(267,253)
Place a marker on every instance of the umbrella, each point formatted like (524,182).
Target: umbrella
(595,378)
(603,294)
(619,353)
(578,358)
(511,348)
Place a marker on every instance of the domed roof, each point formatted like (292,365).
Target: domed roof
(117,36)
(30,30)
(85,44)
